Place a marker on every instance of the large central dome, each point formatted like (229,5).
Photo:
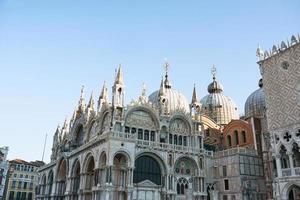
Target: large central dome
(217,106)
(172,99)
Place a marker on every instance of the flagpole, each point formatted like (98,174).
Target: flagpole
(44,147)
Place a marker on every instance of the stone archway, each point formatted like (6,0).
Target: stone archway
(75,180)
(293,193)
(89,176)
(61,179)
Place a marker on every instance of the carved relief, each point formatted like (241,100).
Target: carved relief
(178,126)
(140,119)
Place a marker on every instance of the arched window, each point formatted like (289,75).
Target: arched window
(79,136)
(146,135)
(236,137)
(284,158)
(147,168)
(229,140)
(180,140)
(175,139)
(244,137)
(182,186)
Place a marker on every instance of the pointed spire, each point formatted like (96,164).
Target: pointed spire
(91,101)
(81,103)
(104,92)
(119,76)
(65,125)
(161,89)
(103,98)
(194,96)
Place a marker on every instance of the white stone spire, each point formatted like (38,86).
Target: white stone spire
(103,98)
(81,102)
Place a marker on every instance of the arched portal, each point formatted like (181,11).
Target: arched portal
(296,155)
(284,158)
(120,174)
(43,185)
(101,177)
(61,179)
(147,168)
(89,177)
(50,183)
(75,180)
(294,193)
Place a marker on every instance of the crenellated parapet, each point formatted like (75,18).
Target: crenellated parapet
(276,49)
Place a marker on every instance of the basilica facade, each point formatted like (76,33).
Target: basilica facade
(161,146)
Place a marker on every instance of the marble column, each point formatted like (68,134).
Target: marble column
(290,155)
(278,165)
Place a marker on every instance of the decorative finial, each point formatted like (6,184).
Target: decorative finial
(144,89)
(214,71)
(167,82)
(82,91)
(81,103)
(167,65)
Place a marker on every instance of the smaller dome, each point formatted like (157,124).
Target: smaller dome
(217,106)
(215,87)
(256,103)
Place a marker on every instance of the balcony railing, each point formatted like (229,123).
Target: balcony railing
(286,172)
(297,171)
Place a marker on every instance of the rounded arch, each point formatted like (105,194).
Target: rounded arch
(50,176)
(43,179)
(102,159)
(149,166)
(92,129)
(89,157)
(104,121)
(75,166)
(125,153)
(62,170)
(288,187)
(43,184)
(186,166)
(157,157)
(147,110)
(180,124)
(50,181)
(79,134)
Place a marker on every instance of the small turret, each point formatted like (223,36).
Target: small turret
(118,90)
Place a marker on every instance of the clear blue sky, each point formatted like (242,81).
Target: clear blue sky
(48,49)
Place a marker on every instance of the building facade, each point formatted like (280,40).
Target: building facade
(22,180)
(163,147)
(4,166)
(280,70)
